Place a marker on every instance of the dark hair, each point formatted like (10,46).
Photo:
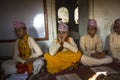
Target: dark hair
(24,28)
(94,27)
(116,25)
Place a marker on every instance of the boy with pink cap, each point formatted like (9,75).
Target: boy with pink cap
(91,46)
(63,53)
(27,51)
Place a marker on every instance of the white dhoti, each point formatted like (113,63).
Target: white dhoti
(37,65)
(90,61)
(9,66)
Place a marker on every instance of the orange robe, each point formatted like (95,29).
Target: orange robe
(61,60)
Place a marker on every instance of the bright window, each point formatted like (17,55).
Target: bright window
(63,14)
(76,16)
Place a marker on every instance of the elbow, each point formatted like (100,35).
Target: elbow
(39,54)
(75,50)
(52,53)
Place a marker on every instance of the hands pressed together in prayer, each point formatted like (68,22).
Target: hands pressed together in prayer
(61,40)
(62,37)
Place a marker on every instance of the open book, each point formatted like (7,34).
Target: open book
(103,69)
(71,76)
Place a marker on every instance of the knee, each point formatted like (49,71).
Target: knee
(110,59)
(39,62)
(42,62)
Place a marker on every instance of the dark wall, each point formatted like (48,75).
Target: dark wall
(70,5)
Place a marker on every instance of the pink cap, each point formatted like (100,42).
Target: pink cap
(92,23)
(18,24)
(62,27)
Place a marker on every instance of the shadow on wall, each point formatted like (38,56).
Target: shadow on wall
(111,29)
(107,46)
(32,32)
(75,35)
(44,47)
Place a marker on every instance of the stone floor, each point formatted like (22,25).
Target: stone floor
(43,75)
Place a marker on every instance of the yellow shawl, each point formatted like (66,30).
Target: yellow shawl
(23,47)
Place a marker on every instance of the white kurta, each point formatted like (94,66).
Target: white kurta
(9,66)
(71,46)
(90,45)
(114,43)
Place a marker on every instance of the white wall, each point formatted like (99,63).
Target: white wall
(7,49)
(105,12)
